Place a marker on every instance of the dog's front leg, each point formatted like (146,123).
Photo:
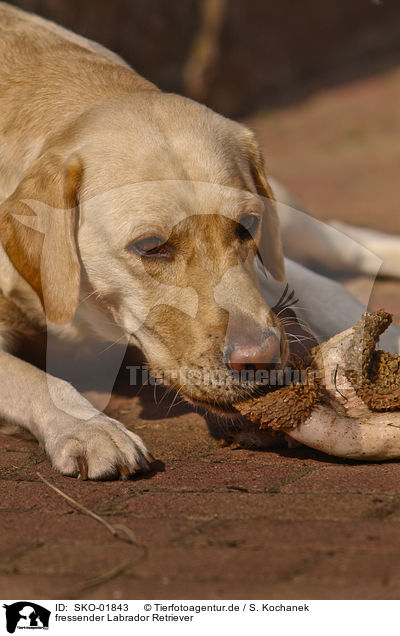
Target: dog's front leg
(76,437)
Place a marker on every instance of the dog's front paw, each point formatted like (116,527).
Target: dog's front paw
(100,448)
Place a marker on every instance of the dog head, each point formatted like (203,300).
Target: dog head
(155,208)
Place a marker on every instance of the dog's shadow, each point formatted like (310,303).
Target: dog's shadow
(105,368)
(157,401)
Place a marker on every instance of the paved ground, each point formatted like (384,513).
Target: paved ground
(215,522)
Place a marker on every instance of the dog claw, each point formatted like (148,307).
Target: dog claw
(83,468)
(124,471)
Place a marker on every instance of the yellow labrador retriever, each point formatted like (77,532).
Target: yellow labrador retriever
(132,216)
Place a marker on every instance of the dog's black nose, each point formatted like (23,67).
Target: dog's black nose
(259,356)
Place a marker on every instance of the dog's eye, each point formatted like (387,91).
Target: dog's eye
(247,226)
(150,246)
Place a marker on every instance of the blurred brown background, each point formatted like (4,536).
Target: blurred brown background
(236,55)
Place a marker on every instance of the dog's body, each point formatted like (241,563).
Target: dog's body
(130,215)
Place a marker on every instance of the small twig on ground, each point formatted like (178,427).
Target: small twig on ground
(113,529)
(106,577)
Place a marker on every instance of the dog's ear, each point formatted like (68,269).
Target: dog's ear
(270,247)
(37,229)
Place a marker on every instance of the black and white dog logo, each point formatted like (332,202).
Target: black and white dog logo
(26,615)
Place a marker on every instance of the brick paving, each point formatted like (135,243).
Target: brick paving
(213,522)
(216,523)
